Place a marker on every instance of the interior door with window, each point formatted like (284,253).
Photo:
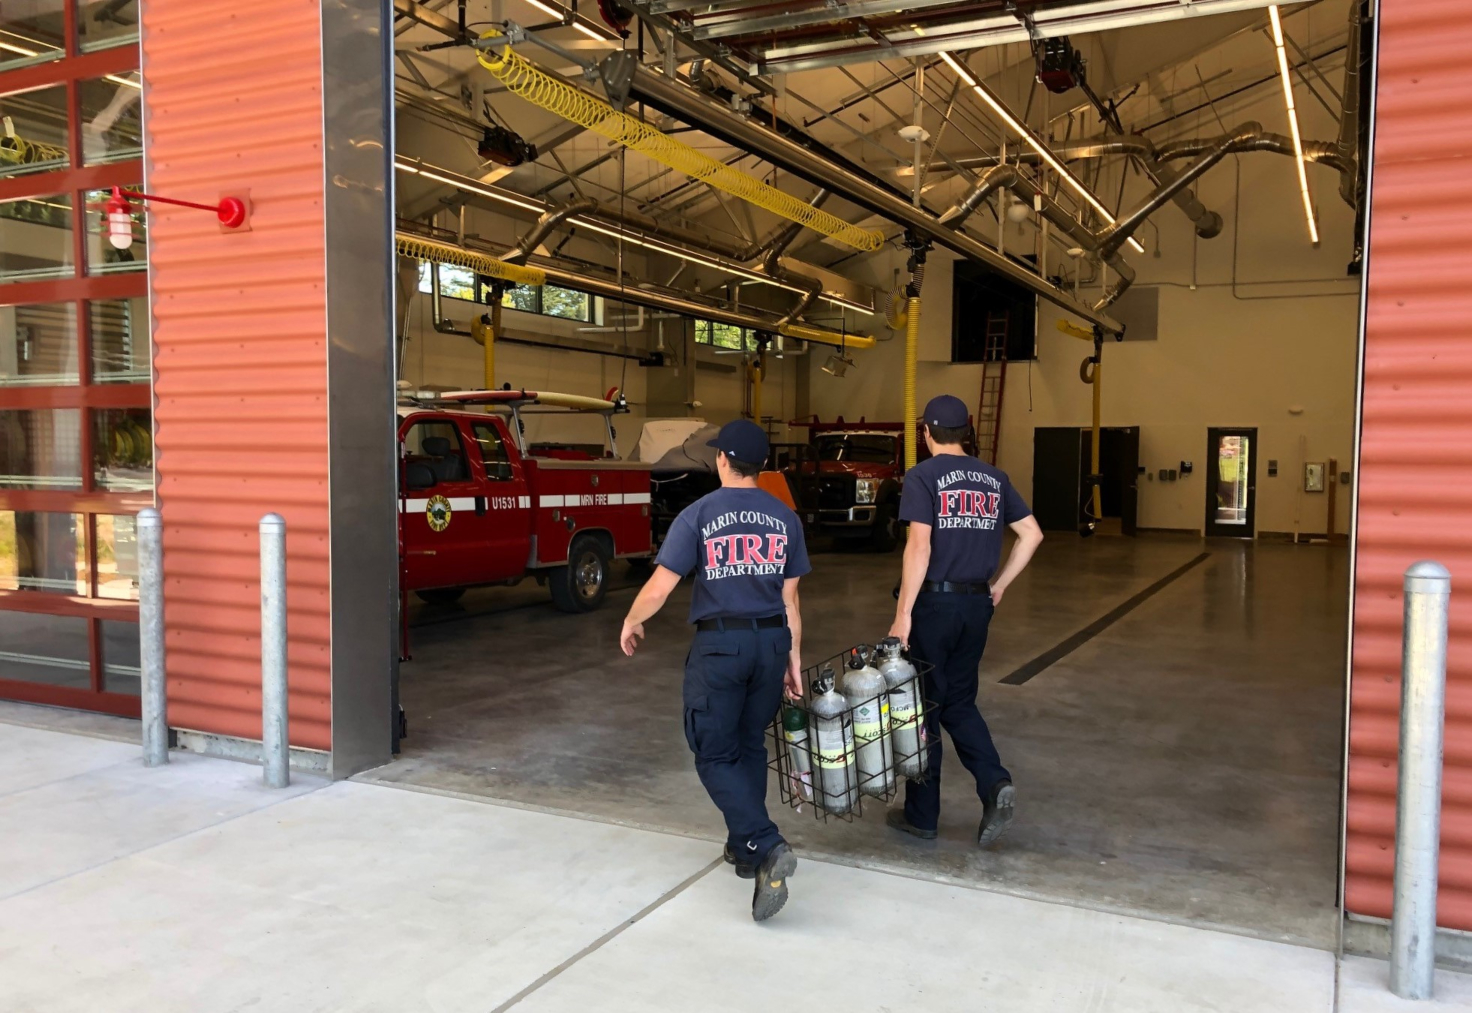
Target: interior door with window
(1231,483)
(506,502)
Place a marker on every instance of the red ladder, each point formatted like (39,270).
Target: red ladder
(993,379)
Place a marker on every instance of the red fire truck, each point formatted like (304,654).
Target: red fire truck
(479,506)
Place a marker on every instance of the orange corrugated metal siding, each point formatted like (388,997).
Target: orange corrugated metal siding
(1416,440)
(234,99)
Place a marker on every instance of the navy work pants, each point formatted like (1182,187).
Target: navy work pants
(949,631)
(733,687)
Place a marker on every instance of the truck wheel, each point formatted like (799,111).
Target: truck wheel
(441,595)
(886,532)
(581,584)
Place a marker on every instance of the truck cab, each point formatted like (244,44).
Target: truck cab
(477,508)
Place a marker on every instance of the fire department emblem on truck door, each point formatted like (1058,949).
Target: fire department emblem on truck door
(437,511)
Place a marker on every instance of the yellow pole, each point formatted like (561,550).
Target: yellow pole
(912,355)
(1094,463)
(491,343)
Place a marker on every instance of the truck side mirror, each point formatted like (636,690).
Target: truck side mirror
(418,476)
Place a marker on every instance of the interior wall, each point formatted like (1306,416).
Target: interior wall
(1274,350)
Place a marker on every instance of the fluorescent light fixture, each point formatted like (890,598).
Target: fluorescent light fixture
(551,11)
(526,203)
(1308,203)
(1044,152)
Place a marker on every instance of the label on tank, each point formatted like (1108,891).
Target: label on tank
(901,708)
(831,754)
(867,721)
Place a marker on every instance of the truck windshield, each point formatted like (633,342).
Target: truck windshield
(865,449)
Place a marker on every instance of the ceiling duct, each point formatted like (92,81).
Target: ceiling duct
(626,80)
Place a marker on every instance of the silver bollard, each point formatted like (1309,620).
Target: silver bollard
(153,704)
(274,741)
(1428,589)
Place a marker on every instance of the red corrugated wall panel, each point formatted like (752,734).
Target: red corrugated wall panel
(234,104)
(1416,442)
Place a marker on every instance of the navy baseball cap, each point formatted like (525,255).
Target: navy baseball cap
(946,411)
(742,441)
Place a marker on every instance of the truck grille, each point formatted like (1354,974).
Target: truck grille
(835,492)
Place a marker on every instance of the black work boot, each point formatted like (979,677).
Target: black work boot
(744,870)
(771,882)
(896,818)
(996,813)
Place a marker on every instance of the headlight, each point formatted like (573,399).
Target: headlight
(864,490)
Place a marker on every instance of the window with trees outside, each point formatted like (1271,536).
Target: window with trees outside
(458,282)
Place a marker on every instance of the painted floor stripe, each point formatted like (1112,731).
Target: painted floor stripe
(1061,650)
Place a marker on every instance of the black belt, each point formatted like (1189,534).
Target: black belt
(949,587)
(766,623)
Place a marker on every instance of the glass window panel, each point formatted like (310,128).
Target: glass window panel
(33,132)
(43,552)
(457,282)
(120,340)
(492,451)
(121,665)
(102,256)
(727,336)
(41,448)
(1234,463)
(562,302)
(122,449)
(31,31)
(104,23)
(112,122)
(41,648)
(38,345)
(36,239)
(522,297)
(117,556)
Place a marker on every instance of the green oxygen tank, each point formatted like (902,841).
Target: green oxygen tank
(906,709)
(868,698)
(838,785)
(799,751)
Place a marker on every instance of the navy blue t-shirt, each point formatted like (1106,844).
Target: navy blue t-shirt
(967,503)
(742,544)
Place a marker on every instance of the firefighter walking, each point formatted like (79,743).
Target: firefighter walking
(956,506)
(747,552)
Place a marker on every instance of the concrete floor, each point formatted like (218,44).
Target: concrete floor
(192,887)
(1183,764)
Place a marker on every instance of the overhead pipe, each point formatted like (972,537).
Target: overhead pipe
(631,81)
(773,266)
(1348,142)
(1323,152)
(1115,236)
(1208,223)
(542,228)
(1003,176)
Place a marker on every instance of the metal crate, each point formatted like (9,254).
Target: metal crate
(827,802)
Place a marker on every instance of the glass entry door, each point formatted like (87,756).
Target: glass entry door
(1231,483)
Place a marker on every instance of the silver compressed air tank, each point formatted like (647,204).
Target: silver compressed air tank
(906,709)
(868,698)
(838,785)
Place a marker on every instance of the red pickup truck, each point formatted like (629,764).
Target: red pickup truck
(477,506)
